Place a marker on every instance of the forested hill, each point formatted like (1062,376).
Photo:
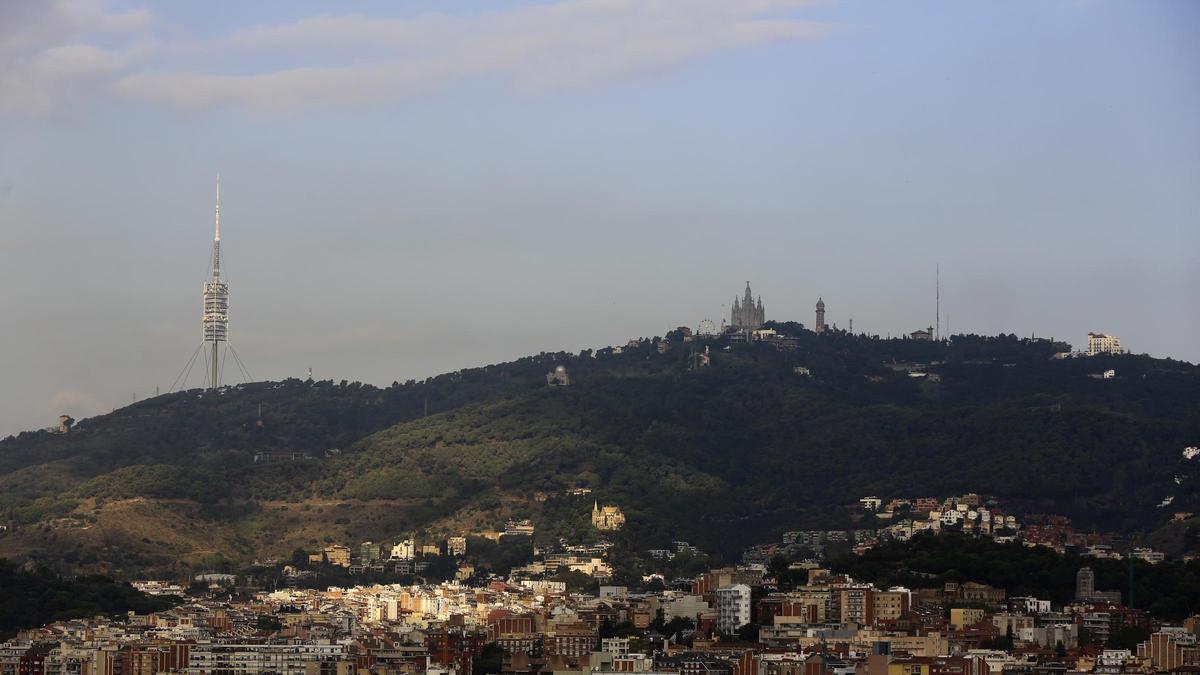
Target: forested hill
(722,455)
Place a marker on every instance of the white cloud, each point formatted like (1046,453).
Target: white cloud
(58,76)
(353,59)
(42,64)
(26,27)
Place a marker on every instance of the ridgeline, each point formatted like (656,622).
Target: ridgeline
(723,455)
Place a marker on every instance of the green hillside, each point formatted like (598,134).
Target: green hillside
(722,456)
(1168,590)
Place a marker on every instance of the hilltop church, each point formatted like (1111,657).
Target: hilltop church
(746,314)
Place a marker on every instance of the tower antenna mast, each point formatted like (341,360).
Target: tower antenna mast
(938,302)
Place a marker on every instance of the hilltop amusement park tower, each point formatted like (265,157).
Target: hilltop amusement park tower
(216,300)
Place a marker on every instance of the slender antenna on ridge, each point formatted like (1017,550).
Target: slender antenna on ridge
(938,311)
(215,320)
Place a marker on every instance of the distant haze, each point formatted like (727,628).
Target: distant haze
(463,183)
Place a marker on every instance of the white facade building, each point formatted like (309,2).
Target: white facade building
(733,607)
(1099,343)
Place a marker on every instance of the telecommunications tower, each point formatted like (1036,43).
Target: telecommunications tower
(216,300)
(216,322)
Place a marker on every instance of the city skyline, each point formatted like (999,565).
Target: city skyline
(500,204)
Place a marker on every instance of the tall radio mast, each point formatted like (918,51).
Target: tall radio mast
(215,320)
(216,300)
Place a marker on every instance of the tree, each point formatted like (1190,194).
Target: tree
(1128,637)
(491,660)
(748,633)
(577,582)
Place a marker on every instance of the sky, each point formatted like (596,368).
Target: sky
(413,188)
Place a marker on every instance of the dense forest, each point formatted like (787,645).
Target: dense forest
(30,598)
(723,455)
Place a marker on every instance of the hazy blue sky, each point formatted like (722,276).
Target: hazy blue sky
(411,188)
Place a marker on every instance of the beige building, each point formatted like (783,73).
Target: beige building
(338,555)
(890,605)
(961,617)
(1169,651)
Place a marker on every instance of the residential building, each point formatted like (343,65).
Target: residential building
(576,640)
(858,606)
(1171,651)
(890,605)
(961,617)
(733,607)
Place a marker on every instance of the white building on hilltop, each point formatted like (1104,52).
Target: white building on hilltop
(1099,343)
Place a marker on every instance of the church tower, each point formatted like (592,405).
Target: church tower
(820,325)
